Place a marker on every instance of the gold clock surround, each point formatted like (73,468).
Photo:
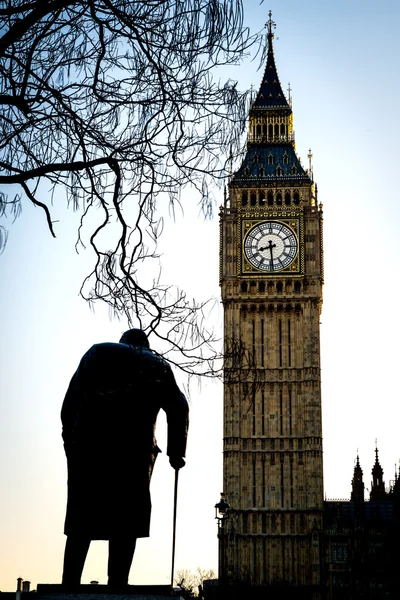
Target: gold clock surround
(244,268)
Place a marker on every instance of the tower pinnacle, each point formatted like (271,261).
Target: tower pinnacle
(357,484)
(270,25)
(377,484)
(270,95)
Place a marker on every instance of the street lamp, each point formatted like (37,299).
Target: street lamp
(221,514)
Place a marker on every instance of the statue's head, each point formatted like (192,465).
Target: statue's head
(135,337)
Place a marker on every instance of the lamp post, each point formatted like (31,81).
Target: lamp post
(221,514)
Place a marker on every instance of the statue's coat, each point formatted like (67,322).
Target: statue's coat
(109,415)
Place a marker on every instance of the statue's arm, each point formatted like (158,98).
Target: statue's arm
(177,410)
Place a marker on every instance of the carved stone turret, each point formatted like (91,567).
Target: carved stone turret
(377,485)
(357,484)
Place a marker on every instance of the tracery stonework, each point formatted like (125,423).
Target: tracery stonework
(271,283)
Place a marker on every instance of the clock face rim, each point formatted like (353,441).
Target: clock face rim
(259,264)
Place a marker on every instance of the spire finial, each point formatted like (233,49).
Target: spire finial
(289,94)
(270,25)
(309,156)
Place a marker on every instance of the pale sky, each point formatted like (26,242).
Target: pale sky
(341,59)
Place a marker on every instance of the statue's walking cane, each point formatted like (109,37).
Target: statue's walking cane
(174,526)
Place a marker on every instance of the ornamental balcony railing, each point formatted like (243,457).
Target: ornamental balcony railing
(271,139)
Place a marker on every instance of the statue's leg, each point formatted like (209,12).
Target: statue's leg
(76,549)
(120,556)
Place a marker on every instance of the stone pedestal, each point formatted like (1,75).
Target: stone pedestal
(103,592)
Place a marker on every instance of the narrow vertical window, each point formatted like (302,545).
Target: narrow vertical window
(282,483)
(281,411)
(289,344)
(293,560)
(255,564)
(262,412)
(254,341)
(291,482)
(290,412)
(262,342)
(280,342)
(253,198)
(263,483)
(254,410)
(254,481)
(261,194)
(244,198)
(244,523)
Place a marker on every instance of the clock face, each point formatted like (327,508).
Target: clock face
(270,246)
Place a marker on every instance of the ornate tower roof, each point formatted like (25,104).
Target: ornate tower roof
(271,158)
(377,484)
(270,94)
(357,483)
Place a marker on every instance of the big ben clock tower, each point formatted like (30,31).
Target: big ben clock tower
(271,280)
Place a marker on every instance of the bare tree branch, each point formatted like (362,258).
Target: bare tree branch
(113,103)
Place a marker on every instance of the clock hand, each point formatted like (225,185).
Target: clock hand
(261,249)
(270,246)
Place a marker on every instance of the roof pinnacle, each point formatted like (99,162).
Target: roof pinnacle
(270,25)
(270,94)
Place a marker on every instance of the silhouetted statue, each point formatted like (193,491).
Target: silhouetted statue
(109,416)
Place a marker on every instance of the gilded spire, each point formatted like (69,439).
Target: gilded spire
(271,153)
(270,94)
(270,25)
